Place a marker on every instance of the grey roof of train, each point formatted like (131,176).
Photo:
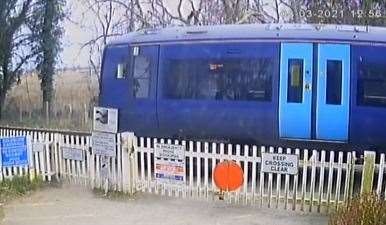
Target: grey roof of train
(294,32)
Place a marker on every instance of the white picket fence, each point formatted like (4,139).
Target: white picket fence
(325,179)
(320,181)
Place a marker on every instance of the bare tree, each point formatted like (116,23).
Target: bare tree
(365,12)
(108,23)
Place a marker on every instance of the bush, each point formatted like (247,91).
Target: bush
(365,210)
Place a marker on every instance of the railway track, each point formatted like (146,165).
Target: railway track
(64,132)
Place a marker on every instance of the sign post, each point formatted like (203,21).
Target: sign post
(104,171)
(104,140)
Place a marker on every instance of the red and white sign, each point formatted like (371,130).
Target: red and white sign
(169,161)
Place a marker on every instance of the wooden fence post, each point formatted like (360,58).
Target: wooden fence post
(352,176)
(20,114)
(85,113)
(128,163)
(47,113)
(70,112)
(368,172)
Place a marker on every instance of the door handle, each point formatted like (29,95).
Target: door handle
(307,87)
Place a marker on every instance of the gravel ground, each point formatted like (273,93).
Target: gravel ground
(77,206)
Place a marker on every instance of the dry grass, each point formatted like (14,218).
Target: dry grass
(365,210)
(75,94)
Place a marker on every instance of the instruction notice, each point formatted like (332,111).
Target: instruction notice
(169,163)
(15,151)
(104,144)
(279,163)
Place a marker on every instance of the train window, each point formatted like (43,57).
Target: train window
(371,72)
(295,80)
(141,77)
(334,82)
(121,70)
(218,72)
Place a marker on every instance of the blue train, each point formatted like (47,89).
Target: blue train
(278,84)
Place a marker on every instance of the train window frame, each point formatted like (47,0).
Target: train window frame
(292,82)
(369,60)
(218,57)
(121,70)
(330,82)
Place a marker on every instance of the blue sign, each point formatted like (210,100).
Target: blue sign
(14,151)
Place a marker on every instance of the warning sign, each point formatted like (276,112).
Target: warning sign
(105,119)
(169,161)
(15,151)
(279,163)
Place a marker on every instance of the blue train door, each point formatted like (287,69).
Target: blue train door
(324,116)
(333,97)
(295,97)
(141,110)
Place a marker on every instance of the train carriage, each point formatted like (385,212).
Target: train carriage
(280,84)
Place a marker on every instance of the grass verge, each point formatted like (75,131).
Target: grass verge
(365,210)
(16,187)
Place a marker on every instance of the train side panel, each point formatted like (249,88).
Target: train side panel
(368,91)
(219,91)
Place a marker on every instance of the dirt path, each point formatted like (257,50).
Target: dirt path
(76,206)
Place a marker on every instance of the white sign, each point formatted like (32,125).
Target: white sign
(279,163)
(106,119)
(37,147)
(72,153)
(104,144)
(176,152)
(169,163)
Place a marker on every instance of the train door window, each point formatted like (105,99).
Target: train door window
(334,82)
(295,80)
(371,72)
(141,76)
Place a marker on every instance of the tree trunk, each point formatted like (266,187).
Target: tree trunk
(47,89)
(2,104)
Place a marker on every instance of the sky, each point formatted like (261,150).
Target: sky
(74,37)
(77,33)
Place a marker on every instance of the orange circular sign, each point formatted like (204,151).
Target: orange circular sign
(228,176)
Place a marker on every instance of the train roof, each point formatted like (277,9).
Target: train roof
(269,32)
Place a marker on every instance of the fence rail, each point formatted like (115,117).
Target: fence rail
(325,179)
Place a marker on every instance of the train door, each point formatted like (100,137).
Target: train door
(333,92)
(295,96)
(141,110)
(320,112)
